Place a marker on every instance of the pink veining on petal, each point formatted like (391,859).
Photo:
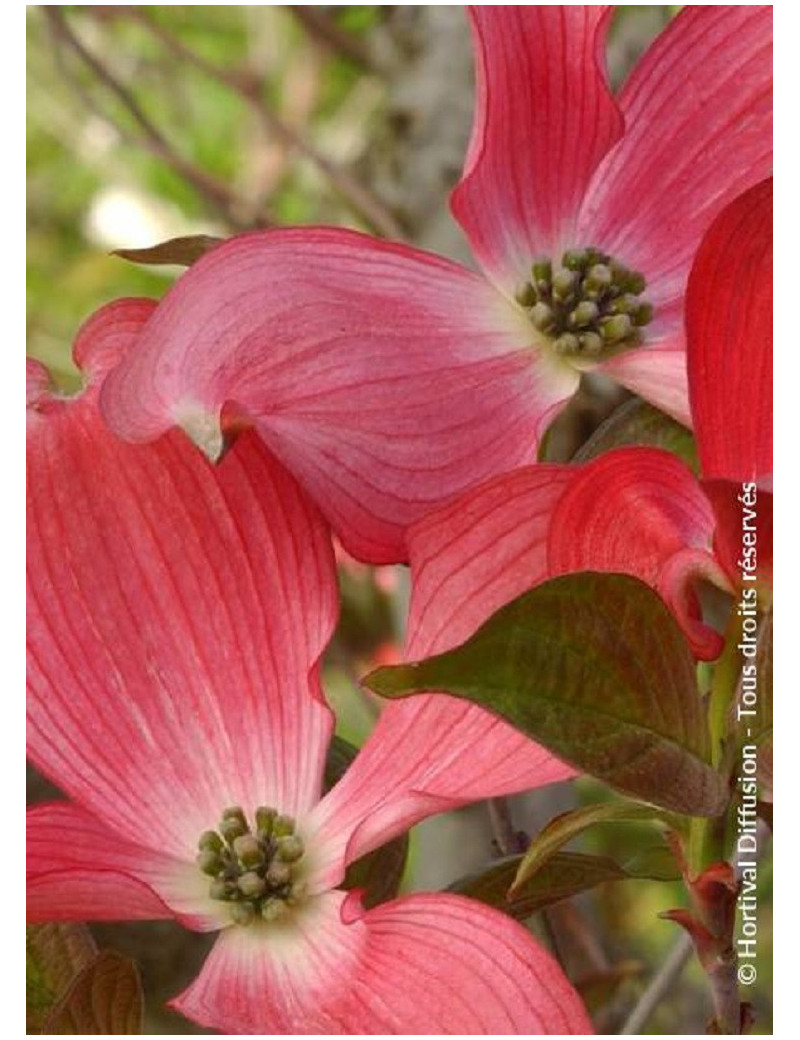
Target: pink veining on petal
(425,964)
(79,869)
(698,118)
(544,118)
(173,606)
(656,372)
(434,752)
(386,379)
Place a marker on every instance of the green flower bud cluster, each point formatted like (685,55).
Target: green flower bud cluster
(253,869)
(590,306)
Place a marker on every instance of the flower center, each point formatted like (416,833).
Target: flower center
(255,870)
(590,306)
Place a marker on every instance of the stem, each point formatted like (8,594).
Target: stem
(326,31)
(214,191)
(724,985)
(360,198)
(707,836)
(503,828)
(659,985)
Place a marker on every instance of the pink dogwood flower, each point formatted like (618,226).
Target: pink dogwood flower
(177,614)
(388,379)
(636,510)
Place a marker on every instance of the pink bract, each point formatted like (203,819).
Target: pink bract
(387,379)
(177,614)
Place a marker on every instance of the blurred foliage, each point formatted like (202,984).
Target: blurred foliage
(269,115)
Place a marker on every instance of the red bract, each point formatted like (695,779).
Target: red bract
(387,379)
(178,612)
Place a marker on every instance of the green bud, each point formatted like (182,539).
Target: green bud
(209,862)
(221,889)
(597,280)
(643,314)
(564,282)
(291,848)
(586,313)
(248,850)
(210,841)
(624,304)
(298,893)
(234,812)
(542,271)
(635,283)
(542,316)
(278,874)
(243,913)
(527,295)
(567,344)
(282,825)
(230,827)
(273,909)
(596,256)
(251,885)
(617,328)
(591,344)
(575,259)
(265,816)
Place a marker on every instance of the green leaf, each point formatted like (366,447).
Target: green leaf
(594,667)
(183,251)
(54,955)
(564,875)
(636,422)
(569,825)
(567,874)
(106,997)
(379,873)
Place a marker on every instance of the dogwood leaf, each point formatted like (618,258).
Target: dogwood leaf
(565,874)
(183,251)
(594,667)
(106,997)
(636,422)
(569,825)
(54,956)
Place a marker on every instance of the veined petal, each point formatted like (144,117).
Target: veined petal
(422,965)
(729,332)
(656,372)
(698,131)
(544,118)
(384,378)
(434,752)
(79,869)
(641,511)
(177,612)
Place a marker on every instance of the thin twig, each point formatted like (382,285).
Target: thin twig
(324,29)
(214,191)
(506,838)
(250,89)
(660,985)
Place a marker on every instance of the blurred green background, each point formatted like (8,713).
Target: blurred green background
(147,123)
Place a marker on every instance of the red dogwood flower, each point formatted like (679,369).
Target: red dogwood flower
(177,614)
(388,379)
